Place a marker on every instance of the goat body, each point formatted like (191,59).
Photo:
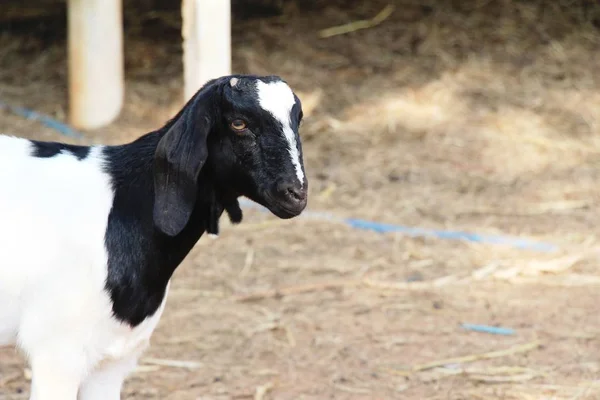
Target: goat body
(53,273)
(91,236)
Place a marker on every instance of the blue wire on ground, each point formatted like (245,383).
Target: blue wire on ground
(456,235)
(515,242)
(494,330)
(44,119)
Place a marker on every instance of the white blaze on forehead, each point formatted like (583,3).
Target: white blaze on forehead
(278,99)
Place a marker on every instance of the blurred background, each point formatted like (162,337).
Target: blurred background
(478,116)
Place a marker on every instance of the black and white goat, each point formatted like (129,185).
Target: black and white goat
(90,236)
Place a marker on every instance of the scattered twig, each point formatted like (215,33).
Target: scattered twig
(290,336)
(503,379)
(502,374)
(469,358)
(540,267)
(262,390)
(296,290)
(313,287)
(248,262)
(173,363)
(350,389)
(488,375)
(358,25)
(566,280)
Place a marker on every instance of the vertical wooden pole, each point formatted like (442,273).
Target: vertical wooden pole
(206,42)
(96,77)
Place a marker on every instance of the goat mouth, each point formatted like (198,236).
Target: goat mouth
(282,209)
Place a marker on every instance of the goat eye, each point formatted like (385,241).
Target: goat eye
(238,125)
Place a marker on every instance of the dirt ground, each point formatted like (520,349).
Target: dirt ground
(481,116)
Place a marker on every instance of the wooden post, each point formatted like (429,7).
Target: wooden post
(96,77)
(206,42)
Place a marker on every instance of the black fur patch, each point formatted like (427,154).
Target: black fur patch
(51,149)
(141,259)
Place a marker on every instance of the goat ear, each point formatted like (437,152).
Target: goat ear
(179,157)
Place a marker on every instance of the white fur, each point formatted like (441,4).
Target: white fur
(278,99)
(53,266)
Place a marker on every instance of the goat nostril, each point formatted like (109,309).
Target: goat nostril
(292,193)
(295,193)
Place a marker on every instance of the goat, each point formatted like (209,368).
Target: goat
(91,235)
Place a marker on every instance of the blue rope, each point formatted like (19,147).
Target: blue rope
(44,119)
(494,330)
(378,227)
(456,235)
